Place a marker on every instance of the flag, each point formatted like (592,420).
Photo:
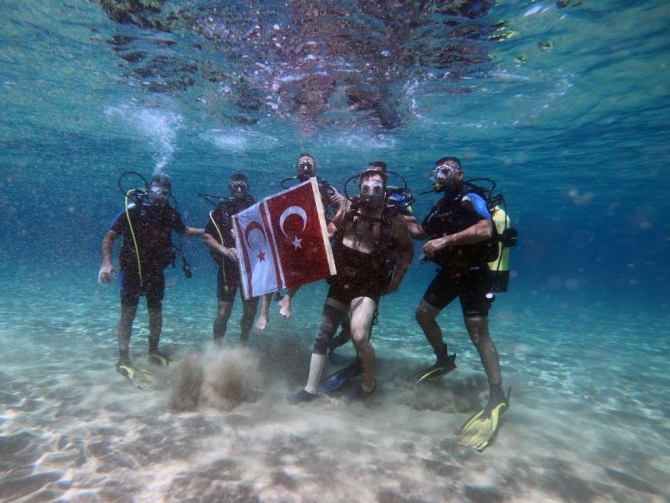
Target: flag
(282,241)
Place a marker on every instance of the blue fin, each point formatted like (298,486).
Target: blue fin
(337,359)
(335,381)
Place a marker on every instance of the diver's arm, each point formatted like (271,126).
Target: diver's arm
(107,269)
(336,199)
(415,230)
(405,250)
(330,227)
(210,242)
(337,219)
(191,232)
(476,233)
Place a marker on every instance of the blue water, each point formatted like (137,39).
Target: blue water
(564,106)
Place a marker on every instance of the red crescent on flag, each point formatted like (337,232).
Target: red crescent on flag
(251,227)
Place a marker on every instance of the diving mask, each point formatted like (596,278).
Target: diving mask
(239,187)
(158,195)
(444,176)
(372,189)
(306,169)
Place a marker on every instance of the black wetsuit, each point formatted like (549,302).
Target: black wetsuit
(464,271)
(152,227)
(228,278)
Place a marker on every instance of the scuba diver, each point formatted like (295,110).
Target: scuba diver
(219,238)
(372,251)
(462,240)
(146,225)
(398,200)
(331,199)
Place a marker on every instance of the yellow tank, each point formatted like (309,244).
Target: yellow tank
(500,267)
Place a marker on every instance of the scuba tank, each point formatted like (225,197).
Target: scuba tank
(507,238)
(500,267)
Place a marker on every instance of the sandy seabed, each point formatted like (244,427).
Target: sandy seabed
(585,425)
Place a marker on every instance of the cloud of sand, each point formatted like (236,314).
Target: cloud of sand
(222,378)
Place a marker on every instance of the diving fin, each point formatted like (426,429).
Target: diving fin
(481,429)
(445,365)
(335,381)
(338,341)
(127,371)
(337,359)
(159,358)
(148,378)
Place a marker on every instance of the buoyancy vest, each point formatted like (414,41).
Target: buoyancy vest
(149,244)
(379,265)
(448,216)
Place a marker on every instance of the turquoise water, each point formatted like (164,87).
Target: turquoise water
(566,108)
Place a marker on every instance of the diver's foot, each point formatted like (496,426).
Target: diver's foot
(157,357)
(123,362)
(443,366)
(285,307)
(125,368)
(262,322)
(361,394)
(301,396)
(496,399)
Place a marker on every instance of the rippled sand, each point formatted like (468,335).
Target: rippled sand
(585,424)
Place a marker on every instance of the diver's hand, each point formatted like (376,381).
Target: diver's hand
(434,245)
(230,253)
(336,199)
(106,273)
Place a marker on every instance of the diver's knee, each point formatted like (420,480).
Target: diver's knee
(424,314)
(359,338)
(321,344)
(323,337)
(478,330)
